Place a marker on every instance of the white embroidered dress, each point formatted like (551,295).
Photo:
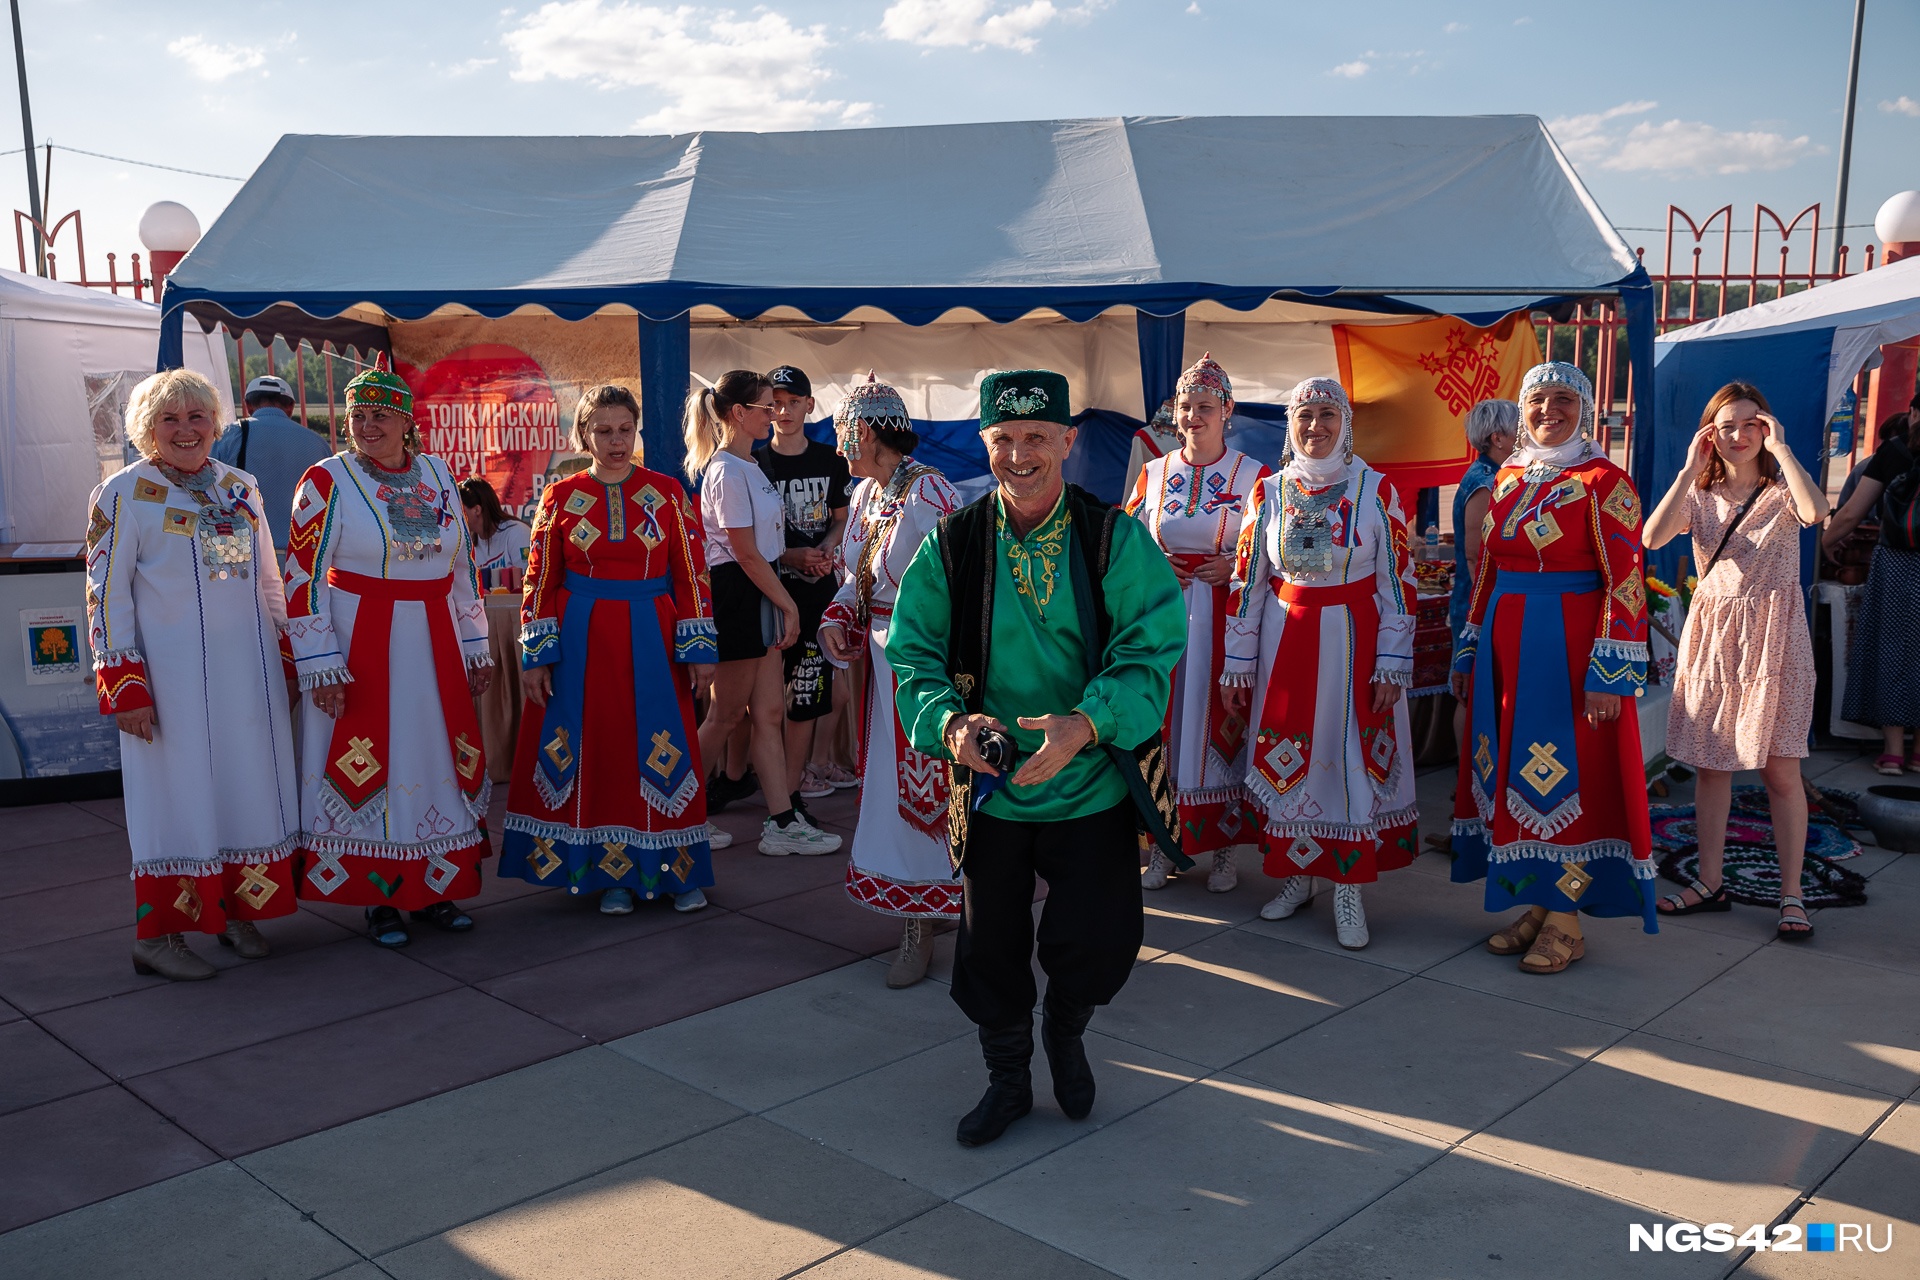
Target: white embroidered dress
(351,517)
(1195,513)
(899,864)
(1333,781)
(187,619)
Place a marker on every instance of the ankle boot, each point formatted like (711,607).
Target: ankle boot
(1061,1025)
(1009,1095)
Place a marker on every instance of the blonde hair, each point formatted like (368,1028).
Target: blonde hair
(594,399)
(704,426)
(168,389)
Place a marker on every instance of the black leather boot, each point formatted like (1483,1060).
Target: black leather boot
(1009,1095)
(1061,1025)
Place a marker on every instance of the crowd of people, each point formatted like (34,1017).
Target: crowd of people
(1052,687)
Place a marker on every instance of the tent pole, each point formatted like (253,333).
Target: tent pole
(666,366)
(1846,135)
(26,129)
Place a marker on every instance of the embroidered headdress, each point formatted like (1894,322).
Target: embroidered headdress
(381,386)
(1580,447)
(1024,395)
(874,403)
(1320,391)
(1206,375)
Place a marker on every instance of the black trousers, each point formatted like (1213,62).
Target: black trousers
(1090,925)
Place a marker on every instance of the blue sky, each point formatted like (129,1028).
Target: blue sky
(1699,102)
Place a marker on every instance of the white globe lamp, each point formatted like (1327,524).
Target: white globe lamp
(1898,223)
(168,229)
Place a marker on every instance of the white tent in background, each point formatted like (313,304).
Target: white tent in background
(69,356)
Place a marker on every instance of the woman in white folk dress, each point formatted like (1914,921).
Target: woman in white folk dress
(390,640)
(184,614)
(899,865)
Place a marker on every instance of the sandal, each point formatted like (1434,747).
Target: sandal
(1709,900)
(1793,928)
(385,928)
(444,915)
(1517,938)
(1556,947)
(1889,766)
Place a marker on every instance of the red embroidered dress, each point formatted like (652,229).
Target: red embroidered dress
(607,785)
(899,864)
(1195,513)
(1550,809)
(382,598)
(184,615)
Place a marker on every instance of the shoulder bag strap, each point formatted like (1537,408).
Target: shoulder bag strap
(1733,524)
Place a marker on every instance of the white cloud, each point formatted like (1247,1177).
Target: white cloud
(1521,22)
(216,62)
(977,24)
(1351,70)
(470,66)
(1194,7)
(716,70)
(1454,28)
(1673,146)
(1902,105)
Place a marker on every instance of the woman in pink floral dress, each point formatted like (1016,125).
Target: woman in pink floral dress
(1743,687)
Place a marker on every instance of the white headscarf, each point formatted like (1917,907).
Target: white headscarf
(1580,447)
(1319,472)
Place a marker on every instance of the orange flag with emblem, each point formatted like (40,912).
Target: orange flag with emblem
(1413,383)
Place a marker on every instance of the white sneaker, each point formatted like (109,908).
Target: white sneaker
(1349,917)
(798,836)
(1159,870)
(1224,875)
(1295,892)
(718,839)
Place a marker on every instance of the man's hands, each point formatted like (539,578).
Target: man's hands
(962,734)
(138,722)
(1066,735)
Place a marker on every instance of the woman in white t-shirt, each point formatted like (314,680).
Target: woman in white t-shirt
(500,542)
(753,614)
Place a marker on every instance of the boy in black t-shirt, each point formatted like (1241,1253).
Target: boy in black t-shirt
(812,480)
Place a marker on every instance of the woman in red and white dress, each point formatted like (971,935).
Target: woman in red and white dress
(899,865)
(390,639)
(1324,634)
(1194,500)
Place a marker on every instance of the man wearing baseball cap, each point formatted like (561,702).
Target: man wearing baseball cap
(272,448)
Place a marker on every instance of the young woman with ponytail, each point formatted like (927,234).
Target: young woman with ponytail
(756,618)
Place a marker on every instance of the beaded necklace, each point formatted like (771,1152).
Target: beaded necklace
(224,535)
(411,511)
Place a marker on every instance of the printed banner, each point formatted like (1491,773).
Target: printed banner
(1412,385)
(54,651)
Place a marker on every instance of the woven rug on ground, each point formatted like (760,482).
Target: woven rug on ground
(1752,863)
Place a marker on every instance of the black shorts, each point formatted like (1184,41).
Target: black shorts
(809,676)
(736,613)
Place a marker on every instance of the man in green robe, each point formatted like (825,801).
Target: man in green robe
(1017,576)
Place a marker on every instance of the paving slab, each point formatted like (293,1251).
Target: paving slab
(1437,1059)
(61,1155)
(901,1117)
(1877,1187)
(286,1088)
(1227,1171)
(780,1045)
(1815,1013)
(214,1224)
(66,911)
(618,990)
(110,808)
(1756,1135)
(525,930)
(406,1174)
(1882,931)
(39,1068)
(1466,1218)
(746,1200)
(956,1244)
(170,1023)
(829,915)
(744,877)
(97,965)
(1234,994)
(1414,921)
(1626,978)
(97,855)
(34,825)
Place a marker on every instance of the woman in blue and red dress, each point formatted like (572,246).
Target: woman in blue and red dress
(615,601)
(1551,807)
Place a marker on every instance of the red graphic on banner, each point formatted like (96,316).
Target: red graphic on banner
(490,411)
(1469,368)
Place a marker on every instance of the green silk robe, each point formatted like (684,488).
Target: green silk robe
(1038,661)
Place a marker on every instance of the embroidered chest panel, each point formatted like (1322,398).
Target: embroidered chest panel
(213,508)
(1314,524)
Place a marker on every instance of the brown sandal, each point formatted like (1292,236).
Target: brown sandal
(1517,938)
(1557,947)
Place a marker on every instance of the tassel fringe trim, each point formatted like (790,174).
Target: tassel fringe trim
(563,834)
(1344,831)
(1210,795)
(481,658)
(1394,675)
(1621,650)
(213,866)
(672,805)
(1237,679)
(310,680)
(549,796)
(397,852)
(1526,850)
(1549,825)
(114,657)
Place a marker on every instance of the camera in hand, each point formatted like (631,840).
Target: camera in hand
(995,747)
